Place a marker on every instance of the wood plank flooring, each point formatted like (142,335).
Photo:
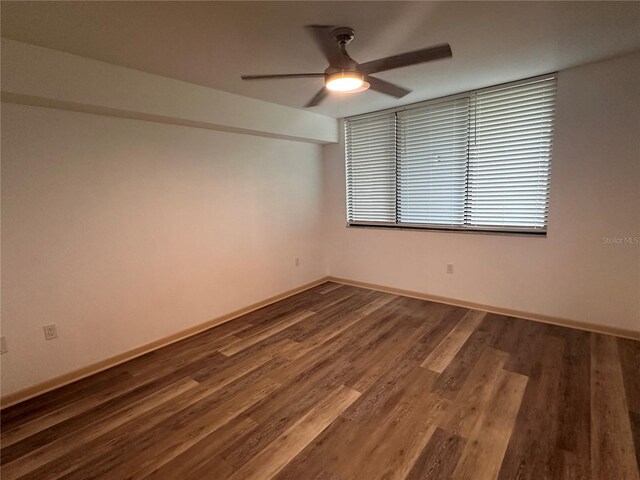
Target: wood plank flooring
(340,382)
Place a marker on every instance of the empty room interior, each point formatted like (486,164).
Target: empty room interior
(320,240)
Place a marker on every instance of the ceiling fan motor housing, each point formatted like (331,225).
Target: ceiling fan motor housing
(346,68)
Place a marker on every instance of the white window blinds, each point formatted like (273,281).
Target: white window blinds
(371,169)
(432,163)
(475,161)
(510,155)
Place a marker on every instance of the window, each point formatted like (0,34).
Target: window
(474,161)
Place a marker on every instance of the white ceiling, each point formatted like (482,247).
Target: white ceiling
(213,43)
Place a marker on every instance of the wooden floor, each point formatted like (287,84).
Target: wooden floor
(341,382)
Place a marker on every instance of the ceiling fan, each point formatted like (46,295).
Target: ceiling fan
(346,75)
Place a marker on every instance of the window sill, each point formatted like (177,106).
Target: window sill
(517,233)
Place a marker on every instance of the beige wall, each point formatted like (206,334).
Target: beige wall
(123,232)
(40,76)
(571,274)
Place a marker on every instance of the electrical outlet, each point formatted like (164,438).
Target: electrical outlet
(50,332)
(450,268)
(297,262)
(3,345)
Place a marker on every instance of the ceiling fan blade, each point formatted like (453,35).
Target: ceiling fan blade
(284,75)
(331,50)
(318,97)
(406,59)
(385,87)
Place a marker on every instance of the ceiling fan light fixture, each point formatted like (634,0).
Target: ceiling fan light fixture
(346,82)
